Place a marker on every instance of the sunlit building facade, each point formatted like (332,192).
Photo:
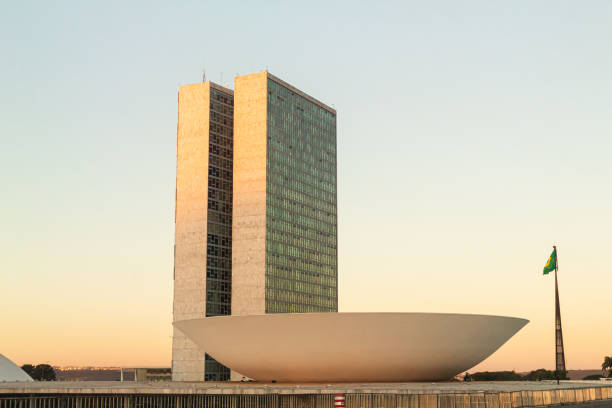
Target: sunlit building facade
(256,208)
(285,209)
(203,221)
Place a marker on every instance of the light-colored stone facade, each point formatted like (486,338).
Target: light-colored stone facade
(250,293)
(249,208)
(191,224)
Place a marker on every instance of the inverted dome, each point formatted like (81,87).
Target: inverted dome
(351,346)
(10,371)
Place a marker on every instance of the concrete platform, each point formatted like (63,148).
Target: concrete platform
(128,387)
(306,395)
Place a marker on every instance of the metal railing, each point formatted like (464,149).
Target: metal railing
(518,399)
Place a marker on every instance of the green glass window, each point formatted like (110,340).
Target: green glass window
(219,216)
(301,240)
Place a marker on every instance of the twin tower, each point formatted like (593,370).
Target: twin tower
(256,208)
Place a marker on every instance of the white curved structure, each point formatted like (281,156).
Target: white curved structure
(10,371)
(351,346)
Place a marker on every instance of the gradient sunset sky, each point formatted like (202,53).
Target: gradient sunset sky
(472,136)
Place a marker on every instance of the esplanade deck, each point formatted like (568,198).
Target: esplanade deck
(305,395)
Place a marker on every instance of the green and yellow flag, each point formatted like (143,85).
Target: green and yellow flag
(551,265)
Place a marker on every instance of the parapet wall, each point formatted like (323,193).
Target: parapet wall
(387,399)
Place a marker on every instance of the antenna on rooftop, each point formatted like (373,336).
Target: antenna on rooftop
(203,75)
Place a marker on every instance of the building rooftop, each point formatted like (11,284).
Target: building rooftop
(293,89)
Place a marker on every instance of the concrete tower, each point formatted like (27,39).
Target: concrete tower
(256,208)
(284,247)
(203,221)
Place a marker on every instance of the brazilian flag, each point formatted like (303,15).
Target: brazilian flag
(551,265)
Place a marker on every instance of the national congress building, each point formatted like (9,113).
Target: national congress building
(256,208)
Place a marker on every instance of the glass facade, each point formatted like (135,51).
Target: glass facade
(219,227)
(301,215)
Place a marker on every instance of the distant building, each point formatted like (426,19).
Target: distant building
(74,373)
(146,374)
(256,208)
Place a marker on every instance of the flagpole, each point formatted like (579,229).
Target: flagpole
(559,351)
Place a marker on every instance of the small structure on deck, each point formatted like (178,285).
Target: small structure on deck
(146,374)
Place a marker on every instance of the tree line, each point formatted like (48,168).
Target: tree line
(535,375)
(40,372)
(538,375)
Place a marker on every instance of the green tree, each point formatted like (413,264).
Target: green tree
(28,368)
(496,376)
(539,375)
(542,374)
(607,365)
(43,372)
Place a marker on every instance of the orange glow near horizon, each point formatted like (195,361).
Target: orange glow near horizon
(134,329)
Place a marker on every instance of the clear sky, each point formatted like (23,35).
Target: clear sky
(472,136)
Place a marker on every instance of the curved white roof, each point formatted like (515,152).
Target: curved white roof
(351,346)
(10,371)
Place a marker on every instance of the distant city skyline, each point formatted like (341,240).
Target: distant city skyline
(471,138)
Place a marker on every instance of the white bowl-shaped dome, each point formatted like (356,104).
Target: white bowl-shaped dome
(10,371)
(343,347)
